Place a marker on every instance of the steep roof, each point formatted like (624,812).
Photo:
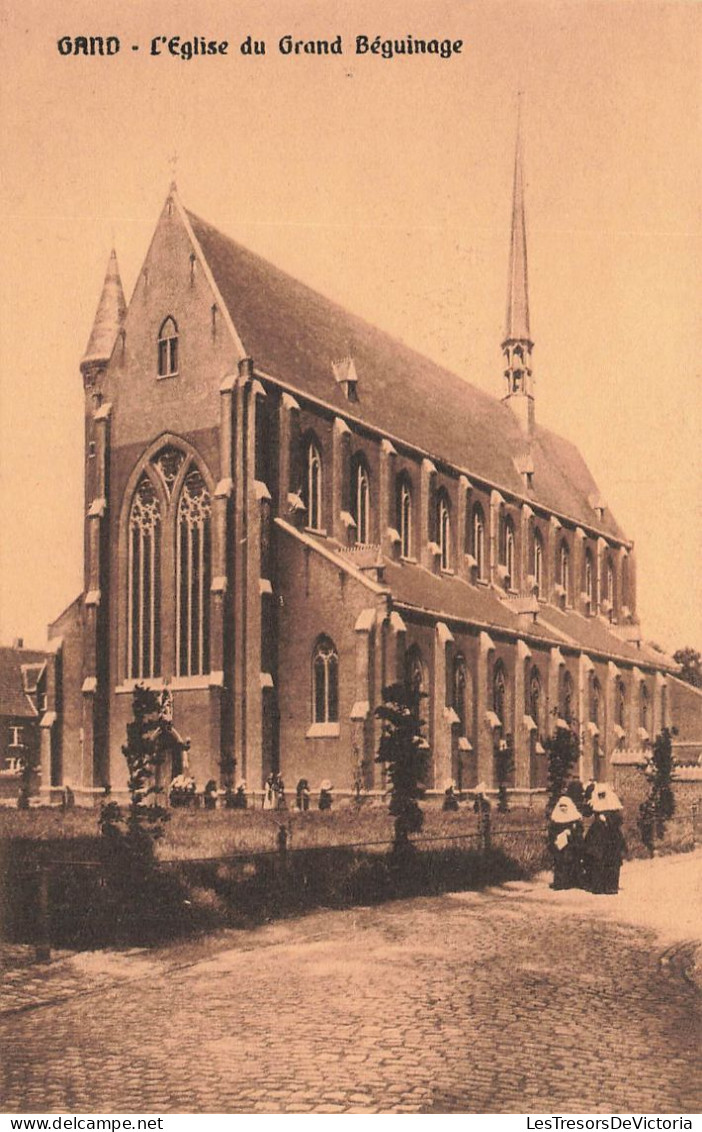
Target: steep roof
(14,671)
(295,334)
(108,317)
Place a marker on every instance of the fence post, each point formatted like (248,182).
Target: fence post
(42,949)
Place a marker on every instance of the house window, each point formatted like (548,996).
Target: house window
(144,583)
(325,682)
(589,590)
(314,487)
(564,572)
(479,540)
(168,348)
(193,577)
(538,563)
(444,531)
(361,502)
(16,734)
(404,517)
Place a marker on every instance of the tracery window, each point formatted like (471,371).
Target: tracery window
(535,697)
(144,582)
(478,527)
(404,517)
(168,348)
(610,583)
(443,520)
(361,502)
(325,682)
(193,577)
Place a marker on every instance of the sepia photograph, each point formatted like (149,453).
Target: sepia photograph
(350,600)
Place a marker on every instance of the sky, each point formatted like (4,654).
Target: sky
(385,184)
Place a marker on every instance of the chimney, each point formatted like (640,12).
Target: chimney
(18,643)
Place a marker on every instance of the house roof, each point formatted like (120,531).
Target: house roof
(295,335)
(14,700)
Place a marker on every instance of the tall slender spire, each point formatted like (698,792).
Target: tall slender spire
(517,344)
(108,318)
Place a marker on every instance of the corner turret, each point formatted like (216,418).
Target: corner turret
(108,322)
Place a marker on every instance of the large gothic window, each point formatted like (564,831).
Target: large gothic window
(443,523)
(478,529)
(144,582)
(168,533)
(404,516)
(325,682)
(361,501)
(168,348)
(193,577)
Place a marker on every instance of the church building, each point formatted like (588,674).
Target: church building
(286,510)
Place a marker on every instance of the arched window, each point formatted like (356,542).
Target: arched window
(538,563)
(325,682)
(414,671)
(168,348)
(643,706)
(534,701)
(499,691)
(478,528)
(620,702)
(588,581)
(567,697)
(144,582)
(443,523)
(564,571)
(193,577)
(508,552)
(460,682)
(313,494)
(361,501)
(595,701)
(404,516)
(609,584)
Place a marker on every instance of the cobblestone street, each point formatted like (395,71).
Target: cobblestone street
(518,999)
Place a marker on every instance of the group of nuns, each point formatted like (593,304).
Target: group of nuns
(591,859)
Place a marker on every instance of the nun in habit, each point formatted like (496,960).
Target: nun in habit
(604,842)
(565,837)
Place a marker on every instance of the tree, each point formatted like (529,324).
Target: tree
(562,750)
(691,665)
(148,735)
(403,751)
(659,806)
